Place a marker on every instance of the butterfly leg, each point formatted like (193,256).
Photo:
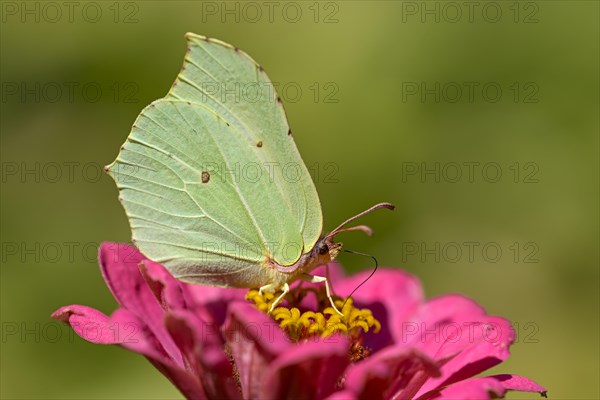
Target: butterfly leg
(320,279)
(273,288)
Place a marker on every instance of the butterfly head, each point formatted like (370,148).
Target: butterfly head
(326,248)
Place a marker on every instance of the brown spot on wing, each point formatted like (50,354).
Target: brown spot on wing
(205,177)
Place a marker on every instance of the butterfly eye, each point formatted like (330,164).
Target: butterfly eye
(323,248)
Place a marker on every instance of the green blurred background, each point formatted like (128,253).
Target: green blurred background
(371,92)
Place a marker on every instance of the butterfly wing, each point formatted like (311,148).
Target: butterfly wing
(210,177)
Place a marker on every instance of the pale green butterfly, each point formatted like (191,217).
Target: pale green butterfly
(213,184)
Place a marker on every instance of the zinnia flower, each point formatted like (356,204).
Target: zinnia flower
(212,343)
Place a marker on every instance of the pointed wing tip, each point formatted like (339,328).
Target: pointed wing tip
(194,37)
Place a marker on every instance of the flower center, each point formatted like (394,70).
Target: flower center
(300,323)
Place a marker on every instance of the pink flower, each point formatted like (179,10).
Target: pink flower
(212,343)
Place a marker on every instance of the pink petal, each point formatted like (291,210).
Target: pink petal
(125,329)
(456,331)
(122,328)
(391,294)
(211,303)
(472,389)
(117,254)
(203,352)
(489,346)
(519,383)
(309,370)
(485,388)
(395,372)
(119,266)
(186,382)
(438,325)
(165,288)
(342,395)
(254,340)
(119,263)
(96,327)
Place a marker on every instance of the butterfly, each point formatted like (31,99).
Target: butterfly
(212,182)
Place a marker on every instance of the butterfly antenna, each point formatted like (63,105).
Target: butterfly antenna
(363,228)
(367,278)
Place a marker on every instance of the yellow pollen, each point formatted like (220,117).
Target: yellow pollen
(301,325)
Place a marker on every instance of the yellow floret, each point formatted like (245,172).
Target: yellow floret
(302,325)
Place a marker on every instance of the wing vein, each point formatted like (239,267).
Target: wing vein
(168,213)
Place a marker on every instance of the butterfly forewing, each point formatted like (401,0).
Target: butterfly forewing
(210,178)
